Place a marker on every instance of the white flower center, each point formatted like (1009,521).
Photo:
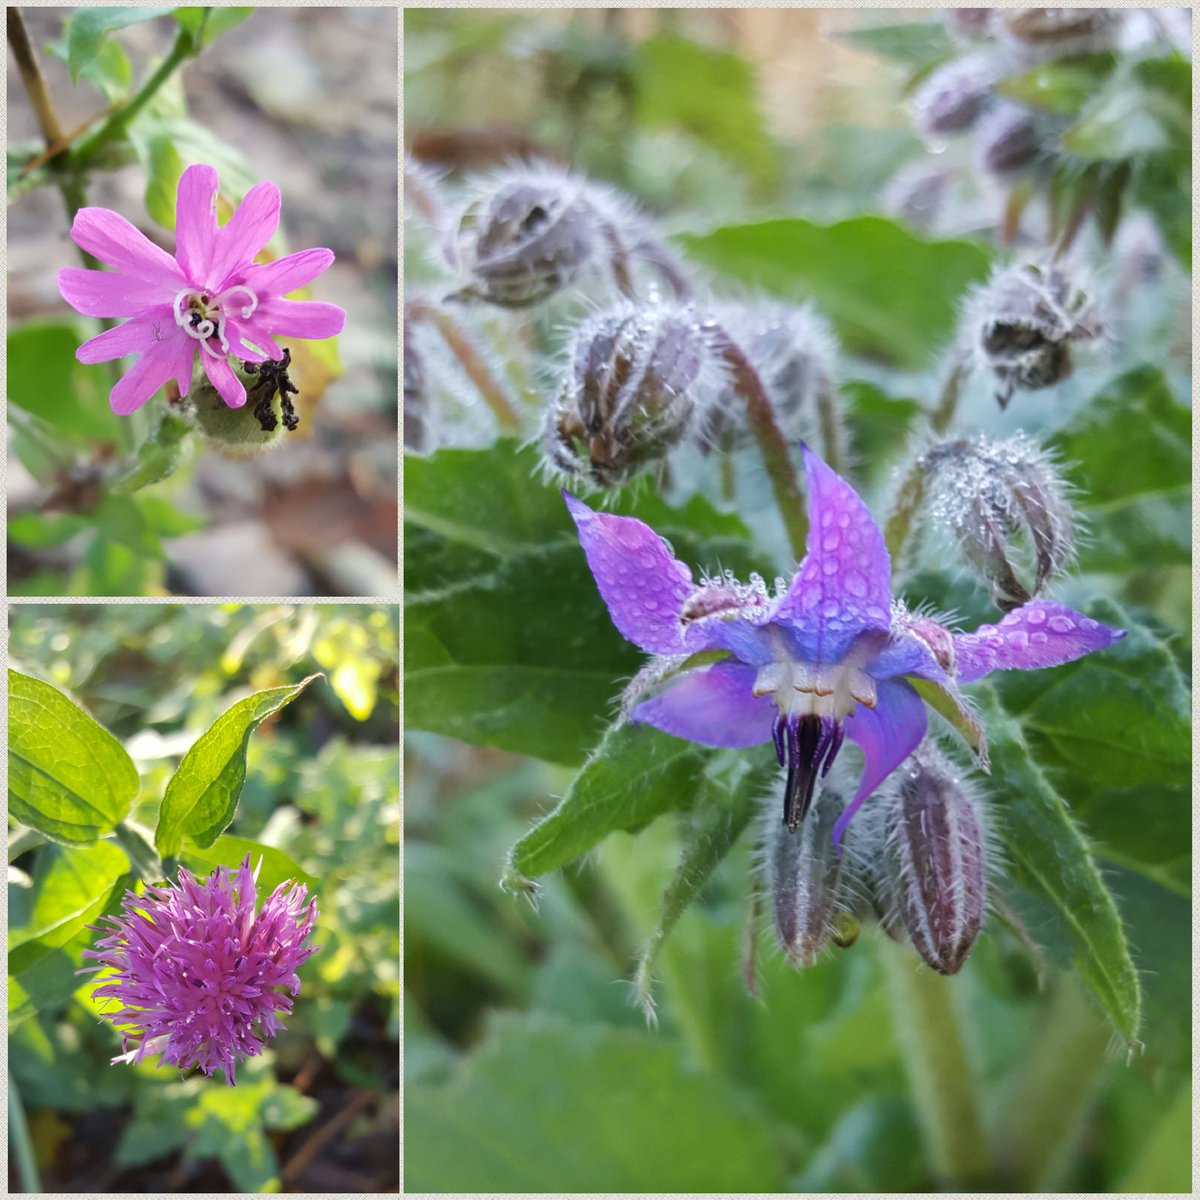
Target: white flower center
(203,316)
(804,689)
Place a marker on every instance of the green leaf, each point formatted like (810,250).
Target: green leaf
(725,801)
(890,294)
(549,1106)
(68,777)
(1061,86)
(229,851)
(164,165)
(1049,856)
(879,424)
(203,794)
(636,774)
(1129,455)
(710,93)
(1113,730)
(89,27)
(38,530)
(913,43)
(507,642)
(110,71)
(1165,1164)
(207,24)
(71,884)
(45,379)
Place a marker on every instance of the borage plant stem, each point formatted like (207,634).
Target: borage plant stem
(930,1036)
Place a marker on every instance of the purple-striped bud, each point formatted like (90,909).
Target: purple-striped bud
(954,96)
(1008,141)
(1023,323)
(633,386)
(1037,35)
(813,888)
(984,493)
(932,873)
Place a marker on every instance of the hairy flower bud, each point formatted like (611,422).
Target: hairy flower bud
(1023,322)
(954,97)
(1009,140)
(916,194)
(1038,35)
(535,230)
(236,432)
(416,392)
(932,874)
(812,886)
(982,492)
(630,394)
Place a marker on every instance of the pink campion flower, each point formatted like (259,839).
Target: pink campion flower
(211,298)
(198,974)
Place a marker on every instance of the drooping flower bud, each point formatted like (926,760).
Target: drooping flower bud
(1037,35)
(955,96)
(813,888)
(536,230)
(635,381)
(916,194)
(983,492)
(1008,141)
(1023,323)
(932,873)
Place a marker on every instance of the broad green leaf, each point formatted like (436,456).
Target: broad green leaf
(89,27)
(164,165)
(708,92)
(203,794)
(70,886)
(45,379)
(507,641)
(1061,86)
(1113,731)
(68,777)
(635,774)
(890,294)
(1049,856)
(113,568)
(229,851)
(725,801)
(39,530)
(549,1106)
(109,71)
(913,43)
(1128,452)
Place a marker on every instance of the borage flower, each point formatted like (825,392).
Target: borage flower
(830,655)
(198,974)
(212,298)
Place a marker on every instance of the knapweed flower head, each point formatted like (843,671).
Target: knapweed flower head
(211,299)
(200,977)
(828,655)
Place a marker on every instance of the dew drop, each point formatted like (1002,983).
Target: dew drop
(1061,624)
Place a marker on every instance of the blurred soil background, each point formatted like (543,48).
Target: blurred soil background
(308,96)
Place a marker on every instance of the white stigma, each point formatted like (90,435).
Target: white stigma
(202,316)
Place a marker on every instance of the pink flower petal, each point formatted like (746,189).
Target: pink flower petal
(196,223)
(639,579)
(162,361)
(246,233)
(300,318)
(104,294)
(118,243)
(714,706)
(888,734)
(134,337)
(287,274)
(843,586)
(221,376)
(1038,634)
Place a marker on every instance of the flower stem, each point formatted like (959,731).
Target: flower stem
(18,1135)
(930,1036)
(469,358)
(33,79)
(772,444)
(116,124)
(899,524)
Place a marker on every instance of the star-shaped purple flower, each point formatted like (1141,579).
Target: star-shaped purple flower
(211,298)
(830,655)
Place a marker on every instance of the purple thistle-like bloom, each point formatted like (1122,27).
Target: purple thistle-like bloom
(211,298)
(198,974)
(830,655)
